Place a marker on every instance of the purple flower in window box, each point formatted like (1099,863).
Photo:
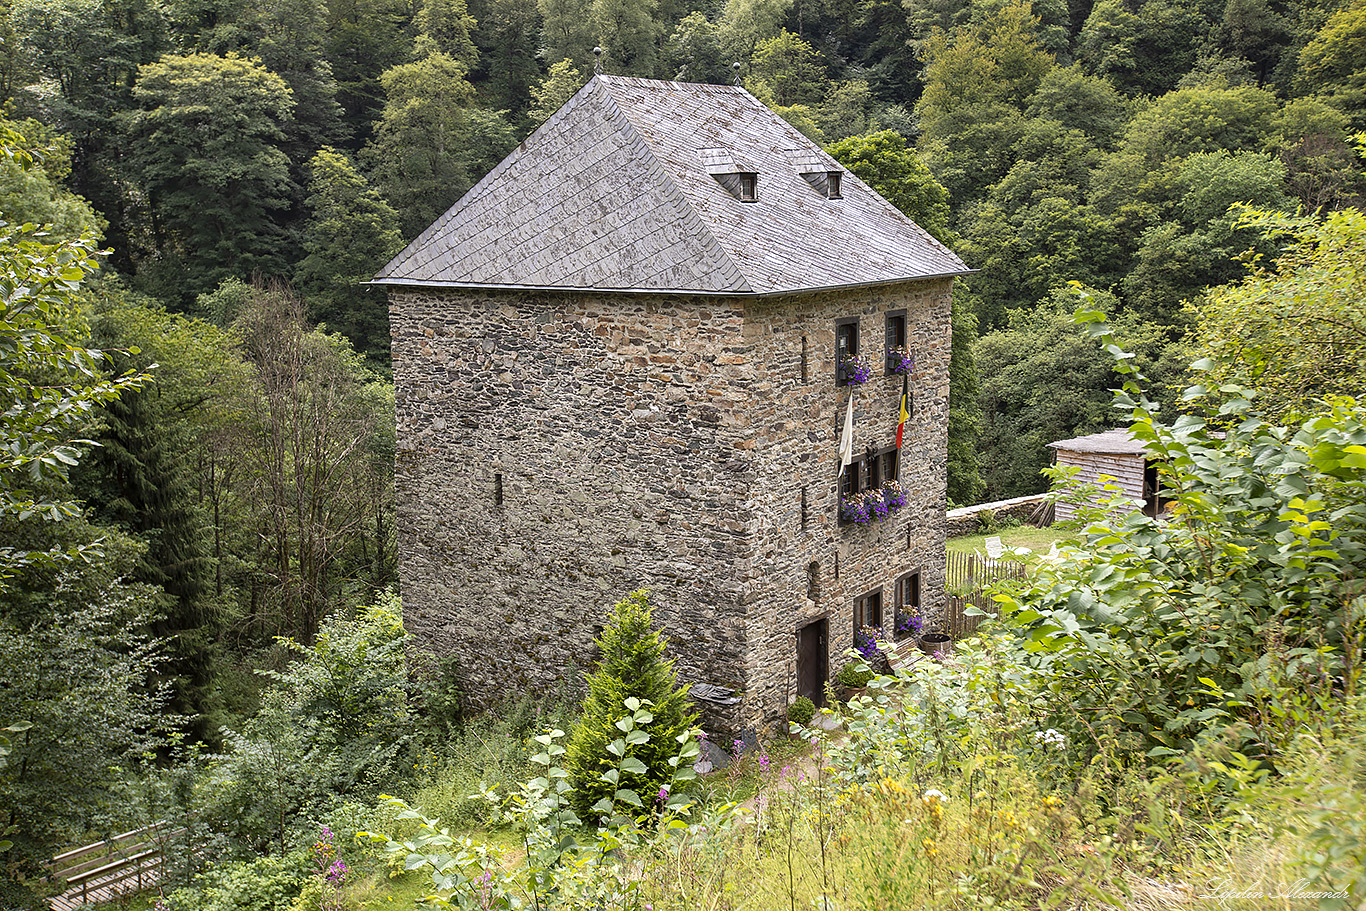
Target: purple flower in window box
(893,496)
(856,370)
(879,504)
(857,509)
(868,642)
(900,360)
(909,625)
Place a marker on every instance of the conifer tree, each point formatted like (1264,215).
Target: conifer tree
(632,664)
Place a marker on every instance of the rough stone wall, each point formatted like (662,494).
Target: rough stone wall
(1031,510)
(652,441)
(614,427)
(797,426)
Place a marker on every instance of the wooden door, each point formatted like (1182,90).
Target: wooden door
(812,668)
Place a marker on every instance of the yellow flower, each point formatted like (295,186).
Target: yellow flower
(931,849)
(1051,803)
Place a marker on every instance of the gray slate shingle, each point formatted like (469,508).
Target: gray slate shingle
(614,193)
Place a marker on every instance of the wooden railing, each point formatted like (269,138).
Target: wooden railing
(123,865)
(965,578)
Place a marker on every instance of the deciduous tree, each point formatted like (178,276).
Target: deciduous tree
(1294,331)
(432,142)
(204,145)
(350,233)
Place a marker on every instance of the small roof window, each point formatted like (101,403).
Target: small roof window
(749,187)
(738,177)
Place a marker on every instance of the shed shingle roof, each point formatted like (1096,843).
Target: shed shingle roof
(614,193)
(1118,441)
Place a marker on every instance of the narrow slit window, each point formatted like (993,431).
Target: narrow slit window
(832,185)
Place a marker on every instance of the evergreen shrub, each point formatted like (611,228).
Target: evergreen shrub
(632,665)
(801,711)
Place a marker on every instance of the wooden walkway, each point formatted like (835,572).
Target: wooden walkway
(115,868)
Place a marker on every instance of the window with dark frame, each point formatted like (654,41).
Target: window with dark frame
(871,471)
(846,344)
(908,592)
(849,480)
(868,610)
(832,185)
(749,187)
(895,336)
(907,596)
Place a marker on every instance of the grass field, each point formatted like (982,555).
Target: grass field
(1036,539)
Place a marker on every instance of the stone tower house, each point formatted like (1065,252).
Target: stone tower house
(616,367)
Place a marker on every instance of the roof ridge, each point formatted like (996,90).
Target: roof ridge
(736,278)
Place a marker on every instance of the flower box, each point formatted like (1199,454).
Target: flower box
(900,361)
(854,370)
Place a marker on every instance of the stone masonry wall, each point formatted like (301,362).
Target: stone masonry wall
(797,429)
(652,441)
(610,429)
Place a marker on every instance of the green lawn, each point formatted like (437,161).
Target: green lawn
(1038,540)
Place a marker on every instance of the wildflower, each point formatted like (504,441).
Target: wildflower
(931,849)
(764,762)
(663,794)
(1051,803)
(1051,738)
(935,795)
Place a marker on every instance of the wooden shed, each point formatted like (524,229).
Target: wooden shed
(1113,455)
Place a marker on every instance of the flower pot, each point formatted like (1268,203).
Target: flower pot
(936,644)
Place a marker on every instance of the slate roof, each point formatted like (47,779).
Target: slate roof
(1114,442)
(625,188)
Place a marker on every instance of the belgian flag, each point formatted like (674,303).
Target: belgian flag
(906,407)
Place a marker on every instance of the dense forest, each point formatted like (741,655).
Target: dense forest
(303,141)
(199,189)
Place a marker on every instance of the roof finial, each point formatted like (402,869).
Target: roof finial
(736,66)
(597,61)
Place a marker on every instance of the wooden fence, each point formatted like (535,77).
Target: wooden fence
(120,866)
(965,579)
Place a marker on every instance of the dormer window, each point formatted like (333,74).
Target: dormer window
(819,170)
(749,187)
(739,178)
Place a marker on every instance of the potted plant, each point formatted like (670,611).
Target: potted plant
(855,370)
(900,360)
(853,677)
